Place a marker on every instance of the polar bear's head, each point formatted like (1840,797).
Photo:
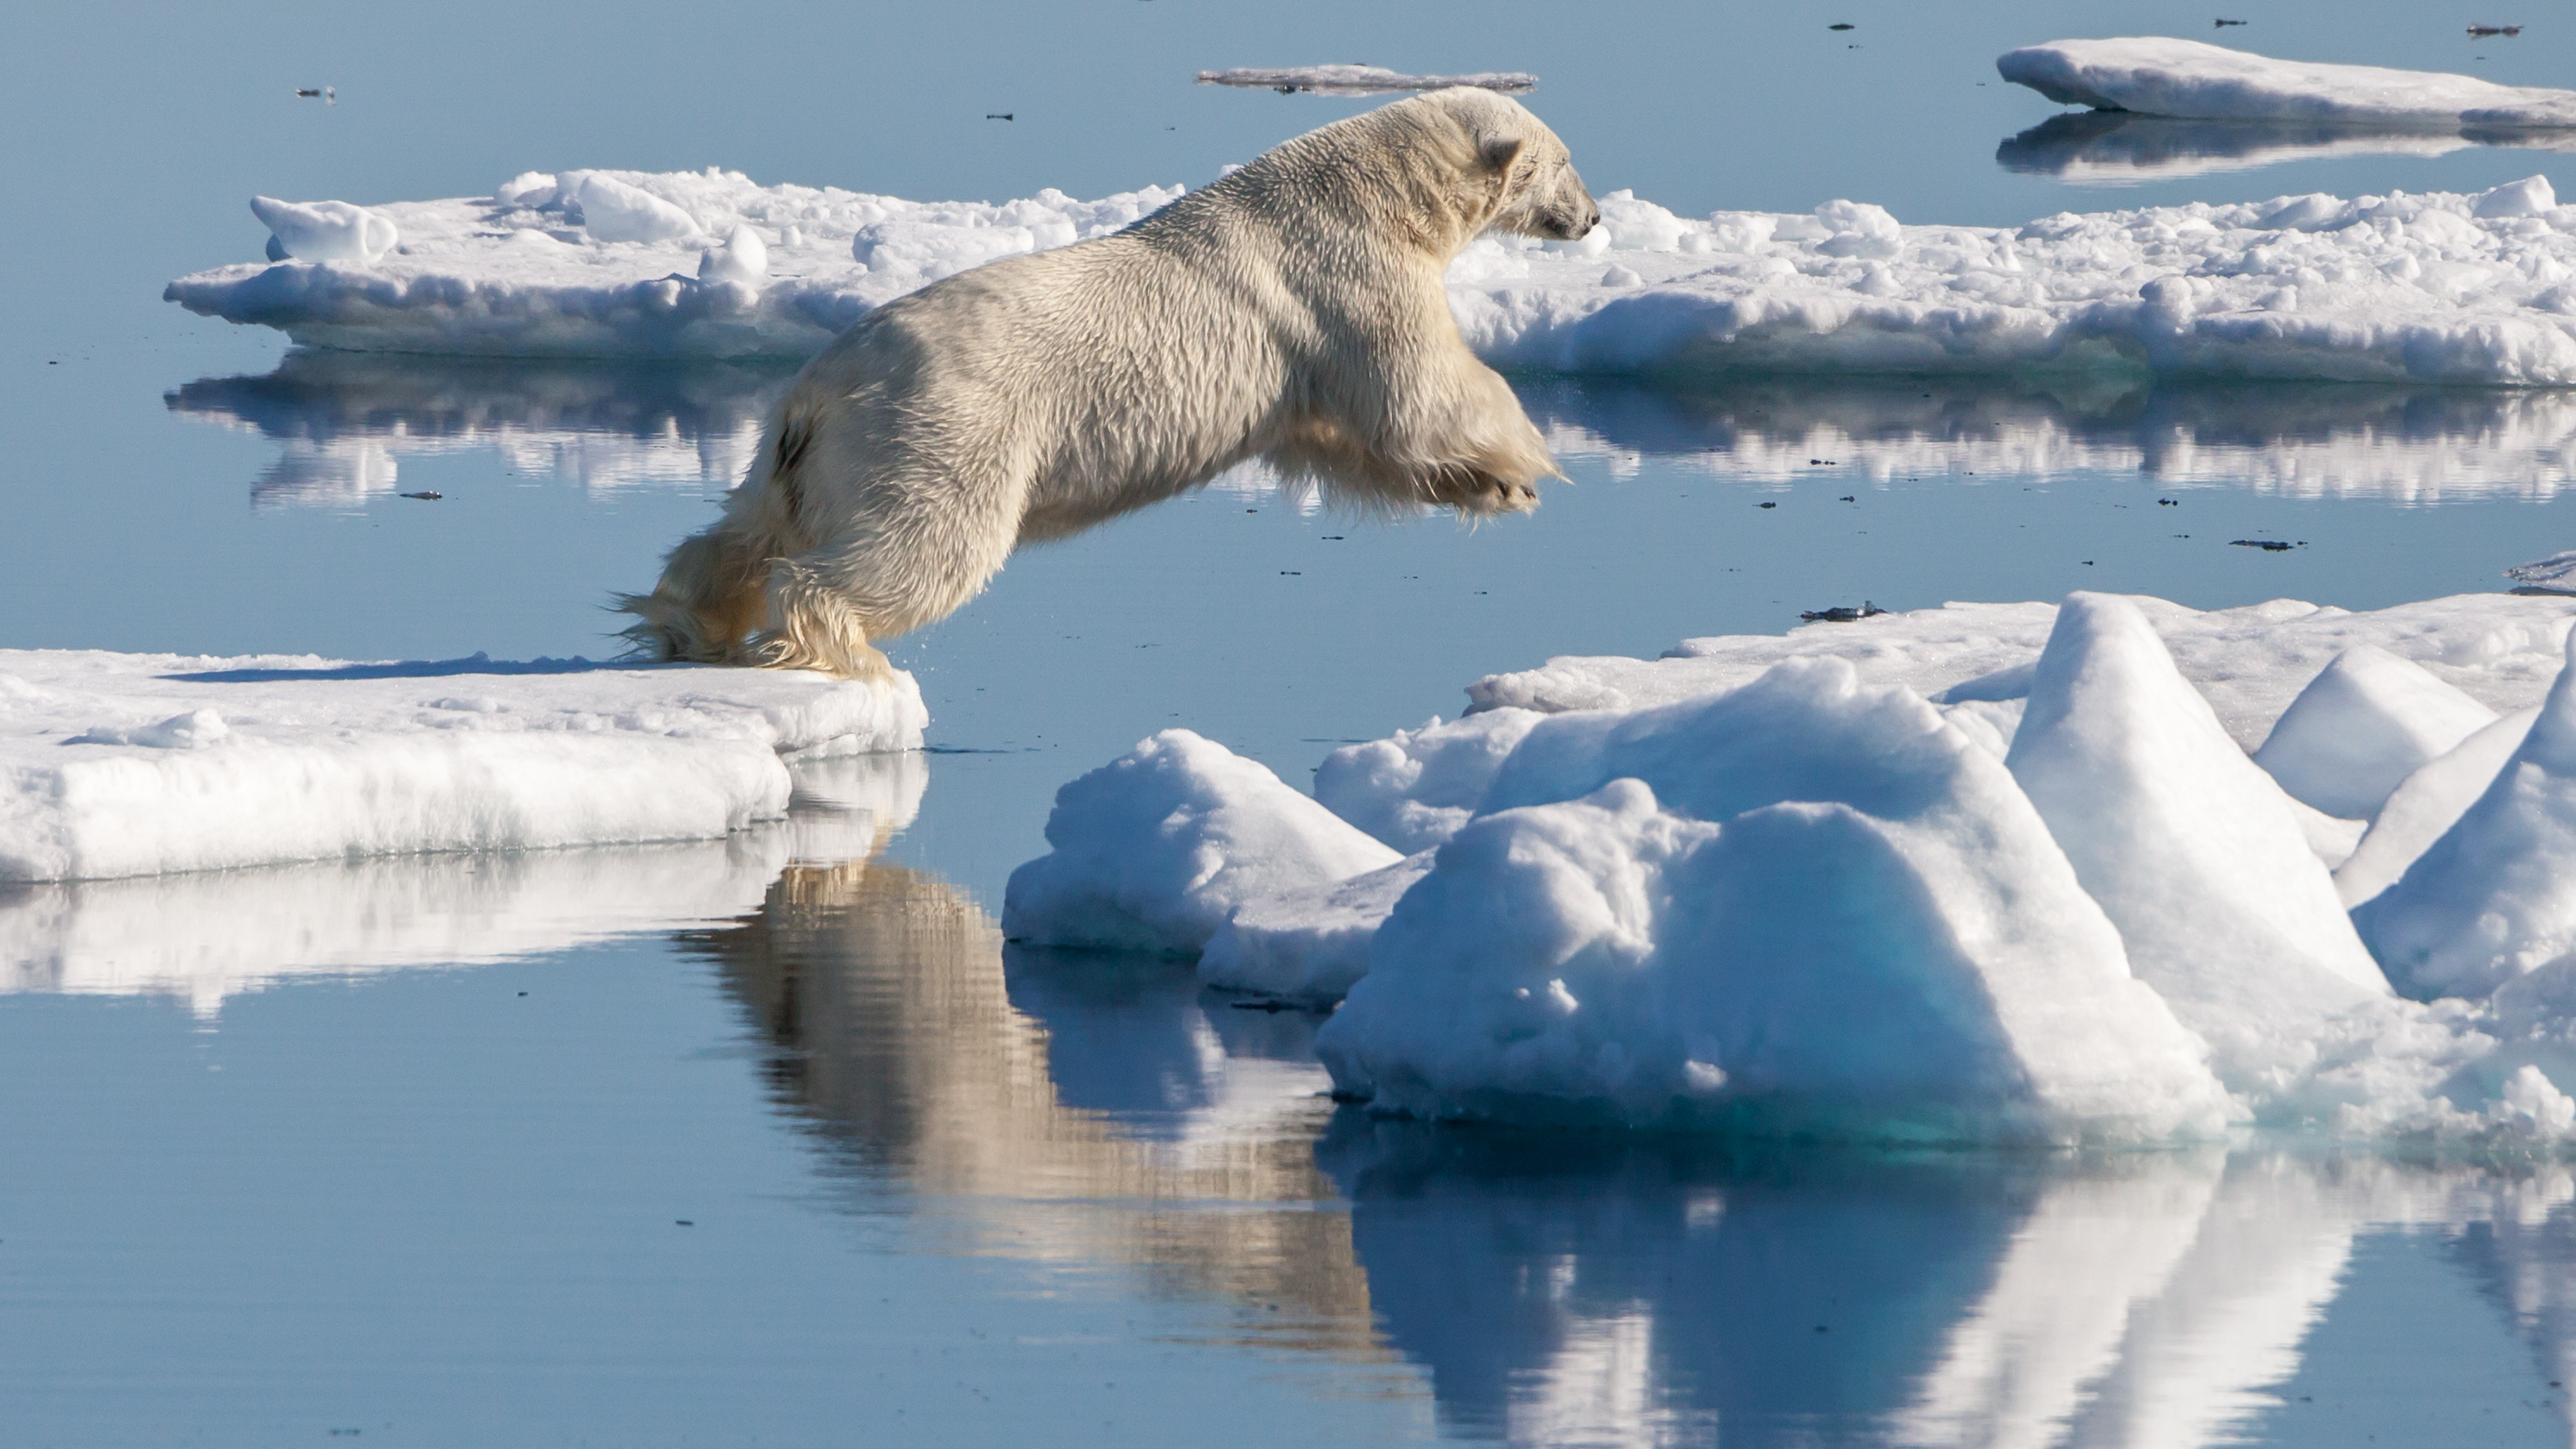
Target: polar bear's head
(1534,190)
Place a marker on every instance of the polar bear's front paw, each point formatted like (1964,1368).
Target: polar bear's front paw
(1475,492)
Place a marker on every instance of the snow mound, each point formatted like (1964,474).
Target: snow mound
(1152,851)
(1311,943)
(1802,907)
(2364,724)
(2192,850)
(2160,76)
(1414,788)
(2426,805)
(324,231)
(2495,896)
(1362,80)
(2440,288)
(139,764)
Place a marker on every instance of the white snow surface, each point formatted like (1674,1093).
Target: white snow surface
(2161,76)
(1362,80)
(1154,850)
(2435,288)
(118,765)
(206,936)
(1982,872)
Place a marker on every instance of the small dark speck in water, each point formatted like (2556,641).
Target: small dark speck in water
(683,1222)
(1766,505)
(426,497)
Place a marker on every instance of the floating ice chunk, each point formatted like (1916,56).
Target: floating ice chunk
(1153,850)
(2425,807)
(1308,944)
(318,759)
(2160,76)
(2531,196)
(2364,724)
(2192,850)
(194,730)
(613,211)
(2496,895)
(2555,574)
(528,188)
(325,231)
(1362,80)
(1881,941)
(743,258)
(1414,788)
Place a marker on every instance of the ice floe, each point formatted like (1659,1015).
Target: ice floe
(2435,288)
(1362,80)
(206,936)
(1983,872)
(2161,76)
(139,764)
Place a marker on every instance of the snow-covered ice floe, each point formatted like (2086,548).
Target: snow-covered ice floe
(2111,870)
(139,764)
(206,936)
(2161,76)
(1362,80)
(2434,288)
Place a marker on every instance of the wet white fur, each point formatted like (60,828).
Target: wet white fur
(1291,311)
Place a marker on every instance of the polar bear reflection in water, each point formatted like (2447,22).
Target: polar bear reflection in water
(1092,1111)
(1291,312)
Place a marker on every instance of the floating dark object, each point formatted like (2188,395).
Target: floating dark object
(2481,32)
(1265,1004)
(426,497)
(1841,614)
(327,95)
(1822,462)
(1847,498)
(2223,24)
(998,116)
(2268,545)
(683,1222)
(1766,505)
(1840,25)
(2169,503)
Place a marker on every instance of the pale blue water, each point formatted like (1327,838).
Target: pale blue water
(939,1193)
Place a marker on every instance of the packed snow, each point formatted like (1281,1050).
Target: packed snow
(206,936)
(1362,80)
(2441,288)
(2016,872)
(141,764)
(2161,76)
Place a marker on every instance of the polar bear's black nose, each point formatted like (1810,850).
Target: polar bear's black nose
(1594,221)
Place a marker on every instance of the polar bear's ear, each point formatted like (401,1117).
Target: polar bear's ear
(1499,152)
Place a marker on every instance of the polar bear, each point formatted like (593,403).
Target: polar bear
(1292,311)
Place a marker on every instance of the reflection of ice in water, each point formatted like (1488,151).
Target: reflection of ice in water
(1583,1292)
(213,934)
(2120,148)
(1072,1110)
(344,422)
(2298,440)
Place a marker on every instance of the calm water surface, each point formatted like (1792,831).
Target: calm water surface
(773,1140)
